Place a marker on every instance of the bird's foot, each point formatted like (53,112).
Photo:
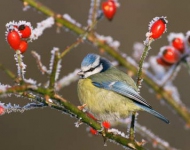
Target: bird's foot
(82,107)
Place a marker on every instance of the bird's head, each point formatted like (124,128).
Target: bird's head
(93,64)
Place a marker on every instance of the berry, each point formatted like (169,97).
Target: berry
(161,62)
(25,31)
(106,125)
(178,44)
(109,9)
(170,55)
(23,46)
(2,110)
(157,27)
(13,38)
(93,131)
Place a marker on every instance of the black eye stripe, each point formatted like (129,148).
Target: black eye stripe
(91,69)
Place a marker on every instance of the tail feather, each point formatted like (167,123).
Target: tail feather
(155,113)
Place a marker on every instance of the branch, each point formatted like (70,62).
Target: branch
(59,103)
(54,67)
(41,67)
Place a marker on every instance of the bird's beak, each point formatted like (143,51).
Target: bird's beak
(80,73)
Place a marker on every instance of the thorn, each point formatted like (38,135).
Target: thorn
(78,123)
(104,138)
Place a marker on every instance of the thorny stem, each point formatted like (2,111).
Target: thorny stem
(171,73)
(138,83)
(54,70)
(8,72)
(69,48)
(141,62)
(19,59)
(60,103)
(155,140)
(132,127)
(79,40)
(94,12)
(42,68)
(150,136)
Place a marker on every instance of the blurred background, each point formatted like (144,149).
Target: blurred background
(48,129)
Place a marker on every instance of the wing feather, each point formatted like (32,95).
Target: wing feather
(123,89)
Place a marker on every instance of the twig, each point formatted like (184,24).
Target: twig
(20,65)
(148,135)
(8,72)
(8,108)
(138,83)
(79,40)
(54,70)
(41,67)
(154,139)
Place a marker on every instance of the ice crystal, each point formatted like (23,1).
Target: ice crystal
(66,80)
(41,26)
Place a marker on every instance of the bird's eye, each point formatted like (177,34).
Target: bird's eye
(91,69)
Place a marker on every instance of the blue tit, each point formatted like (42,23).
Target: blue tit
(108,93)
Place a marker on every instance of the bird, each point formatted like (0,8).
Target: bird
(108,93)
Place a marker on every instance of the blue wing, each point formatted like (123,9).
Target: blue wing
(123,89)
(127,91)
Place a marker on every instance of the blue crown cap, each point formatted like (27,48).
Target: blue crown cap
(89,59)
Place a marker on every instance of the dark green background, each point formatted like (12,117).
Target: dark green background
(48,129)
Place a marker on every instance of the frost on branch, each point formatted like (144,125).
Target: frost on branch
(66,80)
(93,14)
(55,51)
(154,139)
(70,19)
(9,108)
(20,65)
(109,40)
(41,26)
(41,67)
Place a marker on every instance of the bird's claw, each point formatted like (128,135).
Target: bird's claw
(81,107)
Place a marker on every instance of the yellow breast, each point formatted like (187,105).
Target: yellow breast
(104,104)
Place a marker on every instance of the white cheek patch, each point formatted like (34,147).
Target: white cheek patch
(97,70)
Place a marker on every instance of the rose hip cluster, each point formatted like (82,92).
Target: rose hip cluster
(173,52)
(18,34)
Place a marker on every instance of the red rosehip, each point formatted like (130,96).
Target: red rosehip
(178,43)
(13,38)
(109,9)
(161,62)
(2,110)
(93,131)
(170,55)
(23,46)
(157,27)
(106,125)
(25,31)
